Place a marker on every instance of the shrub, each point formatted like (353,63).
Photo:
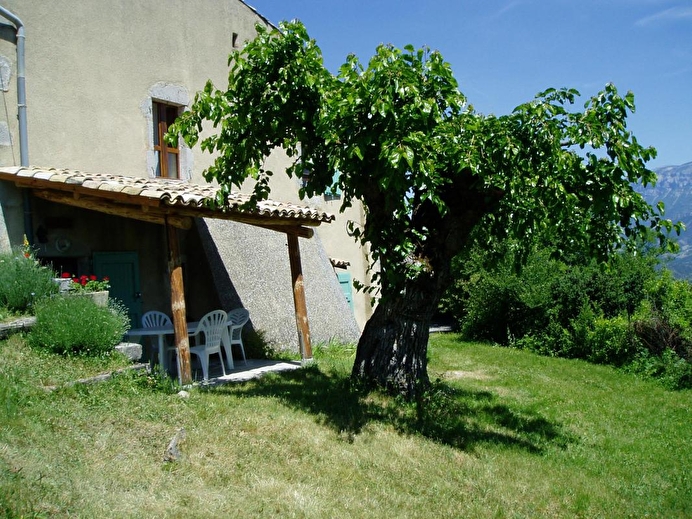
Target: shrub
(553,341)
(664,322)
(24,282)
(488,309)
(76,325)
(669,369)
(626,311)
(503,305)
(611,341)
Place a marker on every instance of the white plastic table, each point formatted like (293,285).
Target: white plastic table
(161,332)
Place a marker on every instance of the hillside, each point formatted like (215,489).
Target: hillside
(674,188)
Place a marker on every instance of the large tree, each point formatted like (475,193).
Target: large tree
(433,174)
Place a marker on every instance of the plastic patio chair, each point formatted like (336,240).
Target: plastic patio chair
(210,332)
(236,320)
(154,319)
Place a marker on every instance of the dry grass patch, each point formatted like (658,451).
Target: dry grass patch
(456,374)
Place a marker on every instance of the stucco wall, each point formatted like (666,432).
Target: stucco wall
(90,65)
(262,283)
(334,237)
(11,217)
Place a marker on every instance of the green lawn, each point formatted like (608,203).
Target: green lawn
(504,433)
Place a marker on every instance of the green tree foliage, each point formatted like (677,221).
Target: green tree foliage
(428,169)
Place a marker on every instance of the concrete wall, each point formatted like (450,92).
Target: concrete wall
(92,69)
(262,282)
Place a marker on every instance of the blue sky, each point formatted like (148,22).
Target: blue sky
(503,52)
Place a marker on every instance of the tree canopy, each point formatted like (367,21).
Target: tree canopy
(433,174)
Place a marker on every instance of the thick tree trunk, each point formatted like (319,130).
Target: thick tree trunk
(392,351)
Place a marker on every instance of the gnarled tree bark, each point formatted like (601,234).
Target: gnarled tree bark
(392,350)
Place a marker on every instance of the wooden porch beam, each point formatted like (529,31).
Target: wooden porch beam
(303,232)
(302,323)
(182,341)
(102,205)
(178,216)
(281,224)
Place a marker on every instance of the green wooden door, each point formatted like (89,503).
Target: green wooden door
(123,270)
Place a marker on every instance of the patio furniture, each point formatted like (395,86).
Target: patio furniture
(156,319)
(161,332)
(208,336)
(236,320)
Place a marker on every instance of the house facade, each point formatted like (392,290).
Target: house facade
(103,80)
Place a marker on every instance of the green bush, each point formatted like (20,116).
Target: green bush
(75,325)
(668,322)
(626,312)
(24,282)
(668,368)
(611,341)
(503,305)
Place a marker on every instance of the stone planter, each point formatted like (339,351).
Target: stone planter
(65,284)
(100,298)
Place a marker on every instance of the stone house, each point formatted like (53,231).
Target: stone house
(101,82)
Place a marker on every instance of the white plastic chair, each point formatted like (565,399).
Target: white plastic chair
(210,332)
(236,320)
(154,319)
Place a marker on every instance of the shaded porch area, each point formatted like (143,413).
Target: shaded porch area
(173,207)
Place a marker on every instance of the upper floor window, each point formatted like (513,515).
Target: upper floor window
(168,163)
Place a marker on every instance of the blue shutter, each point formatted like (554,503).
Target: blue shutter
(346,287)
(333,192)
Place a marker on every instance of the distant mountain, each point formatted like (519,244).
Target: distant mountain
(674,188)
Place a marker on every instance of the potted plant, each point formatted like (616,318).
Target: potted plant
(96,288)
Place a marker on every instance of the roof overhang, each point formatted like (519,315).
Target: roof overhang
(157,200)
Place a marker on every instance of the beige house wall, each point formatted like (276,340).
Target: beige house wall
(92,69)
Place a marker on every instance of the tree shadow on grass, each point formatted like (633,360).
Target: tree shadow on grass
(451,416)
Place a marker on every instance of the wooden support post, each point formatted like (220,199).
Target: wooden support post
(175,270)
(299,297)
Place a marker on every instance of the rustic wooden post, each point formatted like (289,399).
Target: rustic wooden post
(299,297)
(175,271)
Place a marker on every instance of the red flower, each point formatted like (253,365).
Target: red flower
(106,278)
(93,277)
(66,275)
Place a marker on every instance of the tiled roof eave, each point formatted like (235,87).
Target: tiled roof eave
(173,196)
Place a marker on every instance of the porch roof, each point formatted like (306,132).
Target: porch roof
(158,200)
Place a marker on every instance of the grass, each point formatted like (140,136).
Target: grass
(503,433)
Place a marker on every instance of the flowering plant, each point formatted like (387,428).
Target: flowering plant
(86,283)
(26,248)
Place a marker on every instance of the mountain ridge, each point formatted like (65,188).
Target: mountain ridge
(674,189)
